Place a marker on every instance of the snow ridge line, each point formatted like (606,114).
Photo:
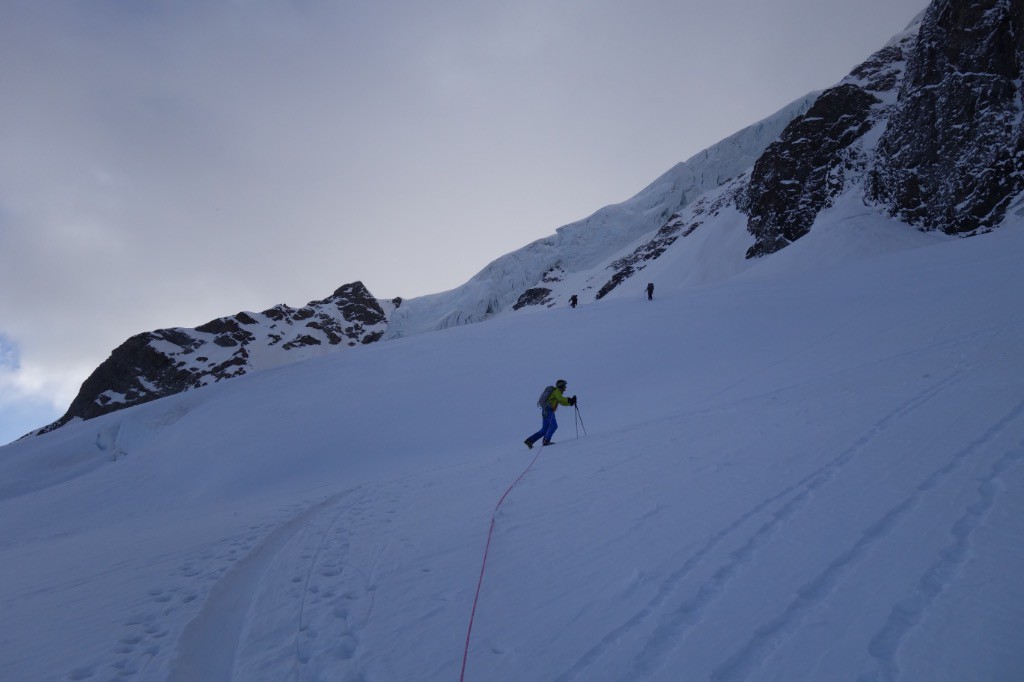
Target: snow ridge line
(803,489)
(483,564)
(770,637)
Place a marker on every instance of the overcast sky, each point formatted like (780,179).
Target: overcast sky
(165,163)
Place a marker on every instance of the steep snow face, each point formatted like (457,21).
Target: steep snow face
(708,234)
(585,244)
(842,422)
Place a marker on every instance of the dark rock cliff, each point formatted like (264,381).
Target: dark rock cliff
(800,173)
(820,153)
(947,150)
(951,156)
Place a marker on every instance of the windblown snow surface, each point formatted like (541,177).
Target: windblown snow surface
(808,468)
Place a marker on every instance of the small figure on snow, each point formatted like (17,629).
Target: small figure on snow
(548,402)
(650,291)
(573,301)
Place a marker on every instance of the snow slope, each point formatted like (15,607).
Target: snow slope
(809,470)
(576,248)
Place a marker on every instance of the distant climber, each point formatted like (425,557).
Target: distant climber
(650,291)
(548,402)
(573,301)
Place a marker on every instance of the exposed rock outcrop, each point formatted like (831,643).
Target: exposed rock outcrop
(167,361)
(930,127)
(951,156)
(821,153)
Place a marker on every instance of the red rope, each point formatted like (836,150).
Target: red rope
(483,565)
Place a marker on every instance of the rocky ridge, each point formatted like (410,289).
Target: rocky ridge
(159,363)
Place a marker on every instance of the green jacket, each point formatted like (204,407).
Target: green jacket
(556,398)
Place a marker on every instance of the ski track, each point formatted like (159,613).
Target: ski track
(908,613)
(672,627)
(145,634)
(768,638)
(312,600)
(326,638)
(209,643)
(302,637)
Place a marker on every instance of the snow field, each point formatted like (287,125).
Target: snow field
(792,474)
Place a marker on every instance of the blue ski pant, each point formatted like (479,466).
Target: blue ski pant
(547,428)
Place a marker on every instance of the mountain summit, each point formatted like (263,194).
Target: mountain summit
(168,361)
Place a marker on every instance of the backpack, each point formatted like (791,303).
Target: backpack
(542,402)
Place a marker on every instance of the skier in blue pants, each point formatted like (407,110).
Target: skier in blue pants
(549,402)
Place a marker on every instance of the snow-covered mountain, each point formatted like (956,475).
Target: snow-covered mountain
(167,361)
(805,464)
(928,129)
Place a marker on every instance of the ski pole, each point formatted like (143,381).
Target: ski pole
(580,417)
